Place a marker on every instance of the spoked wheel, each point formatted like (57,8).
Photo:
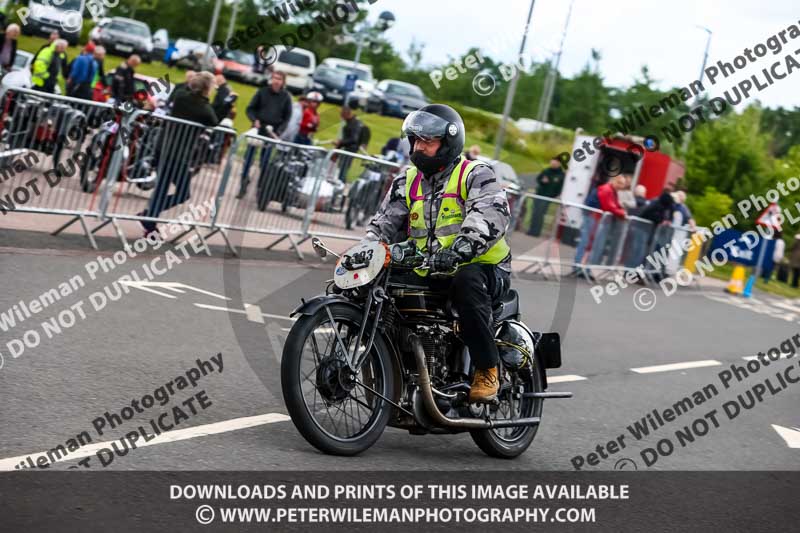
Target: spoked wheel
(338,410)
(508,443)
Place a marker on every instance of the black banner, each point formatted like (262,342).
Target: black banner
(398,501)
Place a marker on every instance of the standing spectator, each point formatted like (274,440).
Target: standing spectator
(8,46)
(794,260)
(777,255)
(47,67)
(269,111)
(183,86)
(179,140)
(310,120)
(683,226)
(354,135)
(609,225)
(223,100)
(659,213)
(54,35)
(548,183)
(123,87)
(473,152)
(84,71)
(638,230)
(293,127)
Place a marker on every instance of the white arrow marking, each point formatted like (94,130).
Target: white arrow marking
(564,379)
(242,312)
(790,435)
(171,285)
(175,435)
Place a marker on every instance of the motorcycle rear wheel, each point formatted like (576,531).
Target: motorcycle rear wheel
(317,395)
(509,443)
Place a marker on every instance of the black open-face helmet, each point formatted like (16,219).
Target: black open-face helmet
(435,121)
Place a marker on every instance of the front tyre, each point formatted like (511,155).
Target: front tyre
(509,443)
(335,410)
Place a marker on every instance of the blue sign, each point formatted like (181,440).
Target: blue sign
(744,249)
(350,82)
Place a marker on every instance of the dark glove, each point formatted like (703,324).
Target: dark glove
(445,260)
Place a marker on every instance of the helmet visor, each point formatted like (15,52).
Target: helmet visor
(424,125)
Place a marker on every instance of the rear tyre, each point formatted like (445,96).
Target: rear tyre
(509,443)
(331,410)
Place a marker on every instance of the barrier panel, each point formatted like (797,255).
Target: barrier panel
(44,146)
(341,210)
(267,187)
(169,171)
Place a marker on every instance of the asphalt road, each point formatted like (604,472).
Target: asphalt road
(155,333)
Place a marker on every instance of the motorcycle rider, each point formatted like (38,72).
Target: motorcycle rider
(458,214)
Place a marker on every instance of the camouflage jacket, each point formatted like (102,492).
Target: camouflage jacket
(486,212)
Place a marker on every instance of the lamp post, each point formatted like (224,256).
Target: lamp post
(211,32)
(233,21)
(512,89)
(552,75)
(385,21)
(685,145)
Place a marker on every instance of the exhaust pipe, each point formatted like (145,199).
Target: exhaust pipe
(438,417)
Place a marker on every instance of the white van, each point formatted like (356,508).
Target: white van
(298,64)
(44,16)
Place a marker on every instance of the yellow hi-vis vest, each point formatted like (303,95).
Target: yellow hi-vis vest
(451,214)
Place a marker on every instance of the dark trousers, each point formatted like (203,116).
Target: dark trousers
(248,161)
(344,166)
(177,172)
(795,276)
(80,90)
(537,217)
(474,291)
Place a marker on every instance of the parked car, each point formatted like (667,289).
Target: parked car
(160,43)
(400,98)
(298,64)
(94,34)
(330,83)
(123,36)
(192,55)
(237,65)
(365,91)
(44,16)
(22,61)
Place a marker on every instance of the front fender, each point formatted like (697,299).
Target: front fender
(309,307)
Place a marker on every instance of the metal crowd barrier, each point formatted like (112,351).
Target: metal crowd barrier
(267,188)
(340,210)
(44,150)
(167,167)
(89,159)
(558,238)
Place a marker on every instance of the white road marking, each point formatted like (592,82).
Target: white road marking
(675,366)
(790,435)
(564,379)
(242,312)
(172,286)
(253,313)
(755,357)
(234,424)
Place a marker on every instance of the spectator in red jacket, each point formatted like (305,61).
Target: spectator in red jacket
(310,121)
(606,238)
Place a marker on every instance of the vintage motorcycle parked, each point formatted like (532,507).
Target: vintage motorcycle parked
(377,349)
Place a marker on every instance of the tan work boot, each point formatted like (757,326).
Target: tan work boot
(484,386)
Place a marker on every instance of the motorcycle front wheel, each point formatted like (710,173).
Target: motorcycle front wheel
(338,411)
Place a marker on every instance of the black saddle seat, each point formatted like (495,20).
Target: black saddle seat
(508,307)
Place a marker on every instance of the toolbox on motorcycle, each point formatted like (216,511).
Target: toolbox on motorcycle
(549,348)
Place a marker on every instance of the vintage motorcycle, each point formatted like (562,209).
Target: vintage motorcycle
(380,348)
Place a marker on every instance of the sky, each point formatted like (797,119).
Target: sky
(663,35)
